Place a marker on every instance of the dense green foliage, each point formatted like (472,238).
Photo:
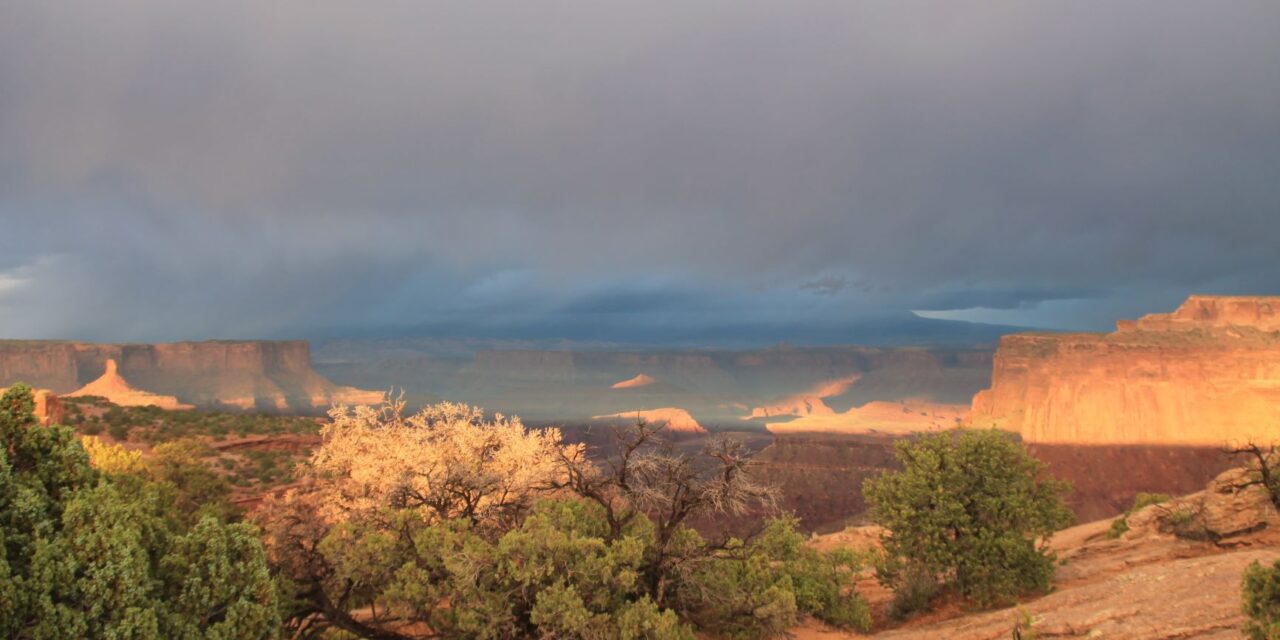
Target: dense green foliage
(1261,590)
(99,541)
(586,551)
(1144,500)
(561,574)
(93,554)
(245,467)
(969,511)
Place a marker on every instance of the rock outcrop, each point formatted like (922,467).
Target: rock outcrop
(640,380)
(49,409)
(1261,313)
(1207,374)
(896,418)
(673,419)
(808,403)
(116,389)
(271,375)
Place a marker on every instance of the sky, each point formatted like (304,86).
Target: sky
(658,171)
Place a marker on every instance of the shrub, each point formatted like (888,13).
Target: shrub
(1261,591)
(1024,625)
(1144,499)
(913,591)
(970,509)
(480,528)
(756,588)
(1185,522)
(89,553)
(197,489)
(118,431)
(1120,525)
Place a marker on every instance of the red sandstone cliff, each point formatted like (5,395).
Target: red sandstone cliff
(275,375)
(1206,374)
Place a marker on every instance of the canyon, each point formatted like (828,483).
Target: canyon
(242,375)
(569,383)
(1150,407)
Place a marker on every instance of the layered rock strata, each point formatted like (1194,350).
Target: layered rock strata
(116,389)
(1207,374)
(270,375)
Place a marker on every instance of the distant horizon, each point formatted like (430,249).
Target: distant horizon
(943,320)
(678,173)
(951,333)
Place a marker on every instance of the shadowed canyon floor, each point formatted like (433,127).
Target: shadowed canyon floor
(821,474)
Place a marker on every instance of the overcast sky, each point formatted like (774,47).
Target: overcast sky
(632,171)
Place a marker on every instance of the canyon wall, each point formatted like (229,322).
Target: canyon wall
(1207,374)
(820,475)
(269,375)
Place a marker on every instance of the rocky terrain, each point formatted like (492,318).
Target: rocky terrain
(264,375)
(1174,574)
(1148,408)
(114,388)
(898,418)
(670,418)
(1207,374)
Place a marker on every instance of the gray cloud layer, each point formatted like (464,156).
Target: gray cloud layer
(172,169)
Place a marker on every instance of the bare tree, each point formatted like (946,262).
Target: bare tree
(385,478)
(647,474)
(1264,468)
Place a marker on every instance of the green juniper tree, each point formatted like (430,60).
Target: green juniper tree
(970,511)
(422,539)
(90,554)
(1261,591)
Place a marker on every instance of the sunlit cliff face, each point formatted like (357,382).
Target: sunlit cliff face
(1205,374)
(113,387)
(275,376)
(673,419)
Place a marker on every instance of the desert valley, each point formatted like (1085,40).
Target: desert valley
(662,320)
(1160,406)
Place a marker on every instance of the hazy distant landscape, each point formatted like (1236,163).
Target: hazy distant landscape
(663,320)
(719,387)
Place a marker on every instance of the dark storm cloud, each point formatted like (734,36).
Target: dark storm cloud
(232,169)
